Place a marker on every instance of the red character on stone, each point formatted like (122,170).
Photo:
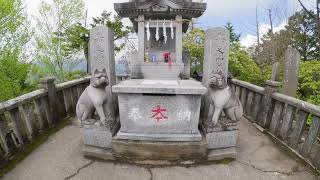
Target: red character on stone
(158,113)
(167,58)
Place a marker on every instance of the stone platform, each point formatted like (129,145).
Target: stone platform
(163,71)
(160,153)
(61,158)
(148,152)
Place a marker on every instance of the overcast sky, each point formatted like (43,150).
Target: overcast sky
(241,13)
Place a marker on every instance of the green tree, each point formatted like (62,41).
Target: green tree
(309,82)
(193,43)
(302,27)
(243,67)
(78,34)
(53,56)
(14,36)
(300,33)
(234,38)
(13,75)
(276,43)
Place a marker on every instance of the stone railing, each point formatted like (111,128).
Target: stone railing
(284,118)
(26,117)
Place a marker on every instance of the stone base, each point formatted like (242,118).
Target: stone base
(95,135)
(96,152)
(222,139)
(220,154)
(159,153)
(163,70)
(148,151)
(159,137)
(221,127)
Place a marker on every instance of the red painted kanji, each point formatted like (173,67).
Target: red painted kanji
(158,113)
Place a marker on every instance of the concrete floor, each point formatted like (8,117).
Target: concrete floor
(60,158)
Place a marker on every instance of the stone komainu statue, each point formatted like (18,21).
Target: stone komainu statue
(94,98)
(222,98)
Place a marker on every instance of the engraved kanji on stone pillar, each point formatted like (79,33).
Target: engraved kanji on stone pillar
(216,58)
(101,54)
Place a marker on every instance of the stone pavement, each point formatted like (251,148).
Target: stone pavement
(60,158)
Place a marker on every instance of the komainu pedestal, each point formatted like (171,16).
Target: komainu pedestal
(96,135)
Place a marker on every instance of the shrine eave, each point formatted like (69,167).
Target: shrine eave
(188,10)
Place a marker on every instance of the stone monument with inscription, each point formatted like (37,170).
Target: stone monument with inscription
(221,108)
(98,97)
(159,107)
(291,72)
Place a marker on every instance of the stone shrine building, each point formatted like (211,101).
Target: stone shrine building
(160,26)
(160,113)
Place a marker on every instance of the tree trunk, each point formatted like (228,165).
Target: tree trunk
(86,55)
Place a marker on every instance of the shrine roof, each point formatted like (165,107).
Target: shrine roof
(160,8)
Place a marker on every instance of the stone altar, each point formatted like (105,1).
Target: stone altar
(158,110)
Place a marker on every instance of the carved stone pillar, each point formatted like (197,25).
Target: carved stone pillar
(136,65)
(216,58)
(221,136)
(102,59)
(179,34)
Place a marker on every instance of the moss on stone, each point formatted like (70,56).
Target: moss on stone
(224,161)
(28,149)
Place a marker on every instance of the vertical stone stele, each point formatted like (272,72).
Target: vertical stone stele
(216,59)
(219,120)
(98,133)
(275,71)
(290,81)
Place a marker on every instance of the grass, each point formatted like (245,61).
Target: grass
(28,149)
(224,161)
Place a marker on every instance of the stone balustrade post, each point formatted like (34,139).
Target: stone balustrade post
(266,104)
(49,85)
(272,87)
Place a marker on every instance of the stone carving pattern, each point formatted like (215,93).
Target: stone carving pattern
(159,8)
(135,114)
(98,47)
(220,55)
(184,115)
